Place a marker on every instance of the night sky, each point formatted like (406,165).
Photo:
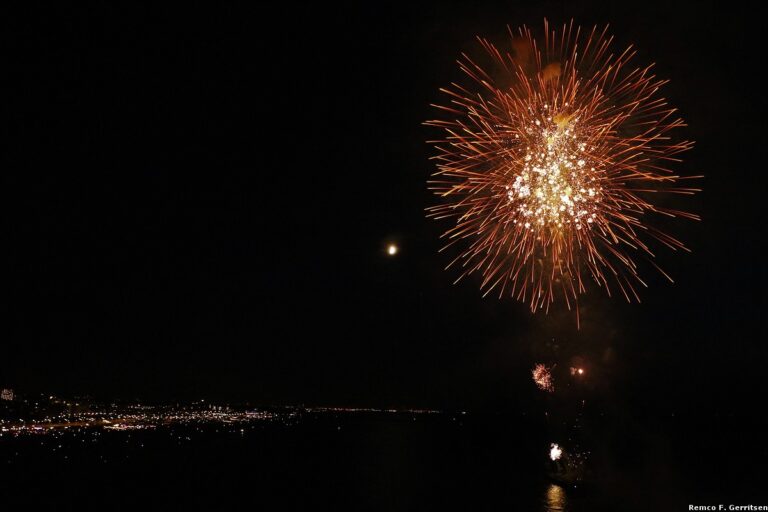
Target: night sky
(196,204)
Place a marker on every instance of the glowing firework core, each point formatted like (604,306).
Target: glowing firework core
(555,452)
(555,182)
(392,249)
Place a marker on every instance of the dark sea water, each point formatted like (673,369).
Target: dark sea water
(376,461)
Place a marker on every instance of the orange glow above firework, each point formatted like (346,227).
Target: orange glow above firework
(551,156)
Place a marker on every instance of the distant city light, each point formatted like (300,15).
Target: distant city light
(392,249)
(577,371)
(48,418)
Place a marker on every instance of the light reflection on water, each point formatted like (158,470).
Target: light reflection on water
(555,499)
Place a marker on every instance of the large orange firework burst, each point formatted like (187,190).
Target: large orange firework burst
(552,155)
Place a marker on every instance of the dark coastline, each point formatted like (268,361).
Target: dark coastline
(377,461)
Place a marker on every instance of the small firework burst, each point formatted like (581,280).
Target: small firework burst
(555,452)
(542,376)
(552,161)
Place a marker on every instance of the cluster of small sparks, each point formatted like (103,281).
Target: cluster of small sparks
(542,376)
(556,186)
(548,164)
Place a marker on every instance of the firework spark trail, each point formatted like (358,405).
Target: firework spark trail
(548,165)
